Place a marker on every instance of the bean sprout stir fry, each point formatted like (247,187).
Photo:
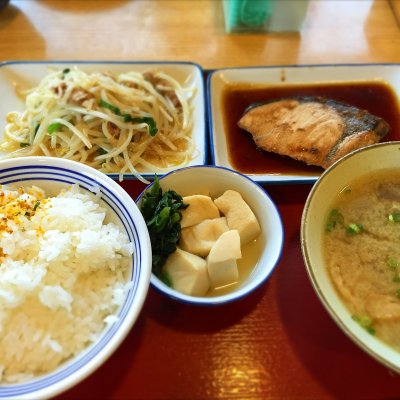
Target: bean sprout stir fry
(124,123)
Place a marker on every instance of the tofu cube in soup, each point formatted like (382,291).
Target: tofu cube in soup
(199,208)
(188,273)
(221,262)
(239,215)
(198,239)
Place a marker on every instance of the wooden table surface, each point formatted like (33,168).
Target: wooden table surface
(346,31)
(279,342)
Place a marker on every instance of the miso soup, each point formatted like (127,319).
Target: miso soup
(362,252)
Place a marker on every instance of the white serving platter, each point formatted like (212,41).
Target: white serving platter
(28,74)
(219,80)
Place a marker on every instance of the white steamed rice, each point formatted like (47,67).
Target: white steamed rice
(63,273)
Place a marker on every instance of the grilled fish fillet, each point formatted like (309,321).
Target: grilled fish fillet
(315,130)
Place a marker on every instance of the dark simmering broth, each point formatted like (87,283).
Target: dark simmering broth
(377,97)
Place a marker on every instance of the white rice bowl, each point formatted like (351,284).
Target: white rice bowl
(73,275)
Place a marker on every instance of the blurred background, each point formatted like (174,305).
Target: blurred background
(333,31)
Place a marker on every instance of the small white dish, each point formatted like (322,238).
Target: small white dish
(219,80)
(28,74)
(53,174)
(215,180)
(374,158)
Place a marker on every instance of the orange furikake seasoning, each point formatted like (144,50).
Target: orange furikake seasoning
(15,205)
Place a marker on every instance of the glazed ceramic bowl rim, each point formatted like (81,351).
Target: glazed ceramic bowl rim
(357,334)
(247,289)
(65,172)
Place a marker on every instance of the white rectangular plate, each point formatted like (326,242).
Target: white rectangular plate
(218,80)
(28,74)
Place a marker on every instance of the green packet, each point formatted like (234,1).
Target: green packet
(264,15)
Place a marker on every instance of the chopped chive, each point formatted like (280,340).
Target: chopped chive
(65,72)
(54,127)
(335,213)
(111,107)
(365,322)
(36,129)
(149,121)
(334,218)
(330,226)
(396,278)
(37,204)
(392,262)
(394,216)
(143,120)
(101,152)
(353,229)
(370,330)
(128,118)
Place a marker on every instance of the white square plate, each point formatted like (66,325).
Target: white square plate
(28,74)
(219,80)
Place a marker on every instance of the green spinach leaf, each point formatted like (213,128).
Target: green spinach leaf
(162,213)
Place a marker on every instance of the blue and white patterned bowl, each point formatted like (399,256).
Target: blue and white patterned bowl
(52,174)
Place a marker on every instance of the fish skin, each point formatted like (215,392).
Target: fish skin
(314,130)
